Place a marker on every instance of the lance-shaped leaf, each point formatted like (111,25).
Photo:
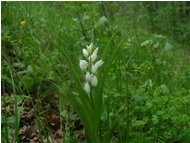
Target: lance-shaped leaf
(98,97)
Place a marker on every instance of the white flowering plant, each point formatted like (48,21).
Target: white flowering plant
(88,101)
(90,66)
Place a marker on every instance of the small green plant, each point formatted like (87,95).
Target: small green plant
(88,101)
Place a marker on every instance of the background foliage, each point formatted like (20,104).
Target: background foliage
(147,85)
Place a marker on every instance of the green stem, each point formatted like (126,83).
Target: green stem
(127,100)
(16,107)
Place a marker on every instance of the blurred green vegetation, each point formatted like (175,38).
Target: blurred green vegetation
(147,85)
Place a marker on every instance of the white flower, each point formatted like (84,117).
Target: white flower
(96,66)
(99,63)
(94,69)
(87,87)
(90,48)
(93,57)
(94,81)
(83,64)
(85,53)
(95,51)
(88,77)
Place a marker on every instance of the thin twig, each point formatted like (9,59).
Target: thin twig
(105,14)
(81,24)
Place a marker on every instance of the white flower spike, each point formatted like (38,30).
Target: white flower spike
(90,66)
(87,87)
(83,64)
(94,81)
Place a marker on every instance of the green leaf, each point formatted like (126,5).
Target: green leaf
(101,22)
(97,98)
(18,65)
(138,123)
(146,43)
(5,78)
(155,119)
(109,48)
(83,95)
(164,89)
(106,138)
(168,47)
(30,68)
(85,118)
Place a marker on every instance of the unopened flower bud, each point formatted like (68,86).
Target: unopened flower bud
(85,53)
(90,48)
(87,87)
